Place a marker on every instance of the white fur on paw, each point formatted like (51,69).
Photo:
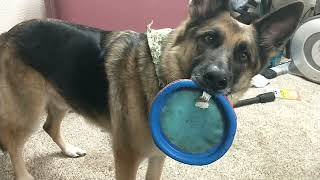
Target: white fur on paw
(74,152)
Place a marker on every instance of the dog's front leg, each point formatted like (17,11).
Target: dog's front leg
(155,166)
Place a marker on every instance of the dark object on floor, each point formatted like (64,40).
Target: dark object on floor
(269,73)
(273,72)
(262,98)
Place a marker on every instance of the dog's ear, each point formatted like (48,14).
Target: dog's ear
(203,9)
(275,29)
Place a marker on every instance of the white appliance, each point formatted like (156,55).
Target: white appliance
(305,49)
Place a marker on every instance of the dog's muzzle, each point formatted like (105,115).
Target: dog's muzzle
(213,79)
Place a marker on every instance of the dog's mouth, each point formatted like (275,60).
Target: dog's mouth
(198,80)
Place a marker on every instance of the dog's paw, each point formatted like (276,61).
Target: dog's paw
(74,152)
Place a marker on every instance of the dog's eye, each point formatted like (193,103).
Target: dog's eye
(243,53)
(212,38)
(244,57)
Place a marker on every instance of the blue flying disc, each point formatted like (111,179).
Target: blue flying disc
(187,133)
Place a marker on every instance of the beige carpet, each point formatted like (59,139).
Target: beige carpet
(280,140)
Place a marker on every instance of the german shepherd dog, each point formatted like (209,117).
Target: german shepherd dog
(109,78)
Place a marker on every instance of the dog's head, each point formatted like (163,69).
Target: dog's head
(219,52)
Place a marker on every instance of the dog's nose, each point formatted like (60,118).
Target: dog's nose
(216,78)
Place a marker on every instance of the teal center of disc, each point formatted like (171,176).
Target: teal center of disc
(191,128)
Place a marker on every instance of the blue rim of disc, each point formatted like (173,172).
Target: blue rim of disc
(178,154)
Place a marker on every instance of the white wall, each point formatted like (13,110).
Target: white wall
(15,11)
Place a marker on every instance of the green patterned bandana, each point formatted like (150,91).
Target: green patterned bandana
(156,39)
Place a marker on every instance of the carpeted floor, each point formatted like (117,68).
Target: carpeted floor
(280,140)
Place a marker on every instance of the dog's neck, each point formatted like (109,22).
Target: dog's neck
(156,41)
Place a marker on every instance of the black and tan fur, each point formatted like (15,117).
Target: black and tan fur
(109,78)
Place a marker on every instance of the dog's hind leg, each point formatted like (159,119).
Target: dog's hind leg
(155,166)
(13,140)
(52,127)
(126,163)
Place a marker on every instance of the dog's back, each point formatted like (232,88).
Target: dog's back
(71,57)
